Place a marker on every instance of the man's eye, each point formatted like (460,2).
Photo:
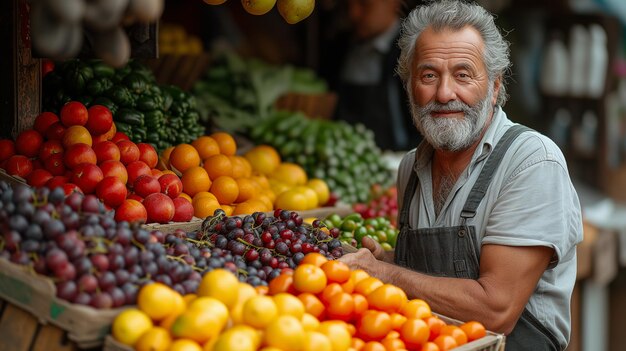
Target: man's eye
(428,76)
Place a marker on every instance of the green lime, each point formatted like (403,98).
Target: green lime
(372,221)
(392,236)
(359,233)
(335,219)
(356,217)
(347,235)
(381,235)
(374,237)
(386,247)
(348,225)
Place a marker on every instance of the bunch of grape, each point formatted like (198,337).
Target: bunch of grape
(267,244)
(92,259)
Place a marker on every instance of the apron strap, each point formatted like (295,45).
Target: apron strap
(408,196)
(486,174)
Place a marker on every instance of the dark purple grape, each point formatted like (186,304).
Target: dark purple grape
(31,246)
(53,229)
(337,252)
(151,268)
(83,298)
(146,256)
(190,286)
(83,266)
(101,300)
(55,259)
(163,278)
(283,215)
(130,293)
(40,217)
(33,232)
(22,193)
(179,289)
(158,235)
(181,249)
(106,280)
(67,290)
(56,196)
(121,276)
(40,266)
(117,296)
(251,255)
(282,248)
(237,248)
(131,256)
(20,257)
(12,240)
(18,223)
(65,272)
(136,270)
(142,236)
(91,204)
(298,257)
(26,209)
(221,241)
(100,262)
(275,273)
(87,283)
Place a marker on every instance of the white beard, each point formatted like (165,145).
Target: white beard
(452,134)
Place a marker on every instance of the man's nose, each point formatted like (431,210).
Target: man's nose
(445,91)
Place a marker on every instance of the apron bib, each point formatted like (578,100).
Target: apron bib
(454,251)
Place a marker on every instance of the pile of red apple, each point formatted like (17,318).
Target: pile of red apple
(383,203)
(81,150)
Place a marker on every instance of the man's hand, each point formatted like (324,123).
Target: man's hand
(362,259)
(374,247)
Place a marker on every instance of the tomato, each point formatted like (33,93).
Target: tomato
(394,344)
(474,330)
(397,320)
(360,304)
(414,332)
(314,258)
(357,343)
(340,306)
(348,285)
(367,285)
(373,346)
(457,333)
(312,304)
(435,324)
(430,346)
(337,333)
(309,278)
(445,342)
(416,308)
(357,275)
(336,271)
(74,113)
(329,291)
(388,298)
(282,283)
(373,325)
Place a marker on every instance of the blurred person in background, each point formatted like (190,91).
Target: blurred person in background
(489,219)
(359,65)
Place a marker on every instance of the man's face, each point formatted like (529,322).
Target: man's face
(372,17)
(452,97)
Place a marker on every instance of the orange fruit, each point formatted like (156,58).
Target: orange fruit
(226,142)
(264,159)
(217,166)
(338,334)
(206,146)
(315,341)
(183,157)
(195,180)
(247,207)
(186,196)
(314,258)
(259,311)
(290,173)
(228,209)
(202,194)
(309,278)
(310,195)
(416,308)
(387,297)
(220,284)
(76,134)
(225,189)
(205,207)
(285,333)
(241,166)
(183,344)
(289,304)
(155,339)
(248,189)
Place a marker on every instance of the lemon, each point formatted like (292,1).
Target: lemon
(129,325)
(220,284)
(155,339)
(158,301)
(259,311)
(288,304)
(321,189)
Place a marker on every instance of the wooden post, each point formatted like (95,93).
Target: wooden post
(20,73)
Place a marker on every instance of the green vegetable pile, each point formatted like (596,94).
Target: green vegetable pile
(353,228)
(344,155)
(236,92)
(160,115)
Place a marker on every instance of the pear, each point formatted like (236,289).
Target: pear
(258,7)
(215,2)
(294,11)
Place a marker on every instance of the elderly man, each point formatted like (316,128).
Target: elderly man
(489,218)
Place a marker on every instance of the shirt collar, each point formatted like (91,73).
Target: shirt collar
(425,151)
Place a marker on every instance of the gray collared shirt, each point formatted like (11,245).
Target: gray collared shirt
(531,202)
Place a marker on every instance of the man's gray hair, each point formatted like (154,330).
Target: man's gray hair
(455,15)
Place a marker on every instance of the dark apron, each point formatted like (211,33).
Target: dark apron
(454,251)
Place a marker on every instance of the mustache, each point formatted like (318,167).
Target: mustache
(451,106)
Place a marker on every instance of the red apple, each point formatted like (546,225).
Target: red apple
(160,208)
(145,185)
(74,113)
(55,165)
(119,136)
(134,197)
(111,191)
(131,211)
(100,120)
(28,143)
(43,121)
(87,176)
(49,148)
(57,181)
(55,131)
(19,165)
(79,153)
(136,169)
(129,152)
(113,168)
(148,154)
(7,149)
(38,178)
(183,210)
(69,188)
(106,150)
(171,185)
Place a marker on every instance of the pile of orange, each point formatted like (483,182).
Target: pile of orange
(215,177)
(322,305)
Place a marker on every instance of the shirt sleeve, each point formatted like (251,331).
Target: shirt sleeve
(537,206)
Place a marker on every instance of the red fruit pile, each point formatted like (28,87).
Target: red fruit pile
(81,150)
(383,203)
